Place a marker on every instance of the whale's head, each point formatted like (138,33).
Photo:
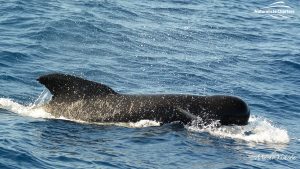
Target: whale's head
(233,110)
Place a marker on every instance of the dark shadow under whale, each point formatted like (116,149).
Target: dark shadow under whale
(80,99)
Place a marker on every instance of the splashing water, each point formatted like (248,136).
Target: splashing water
(31,110)
(144,123)
(258,130)
(43,98)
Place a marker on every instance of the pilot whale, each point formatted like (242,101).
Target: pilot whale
(80,99)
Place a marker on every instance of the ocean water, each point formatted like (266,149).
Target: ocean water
(150,47)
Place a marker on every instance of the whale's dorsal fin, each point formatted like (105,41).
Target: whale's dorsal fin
(71,87)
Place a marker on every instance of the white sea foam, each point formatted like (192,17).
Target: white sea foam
(259,130)
(144,123)
(31,110)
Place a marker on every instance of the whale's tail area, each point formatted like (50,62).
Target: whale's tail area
(70,87)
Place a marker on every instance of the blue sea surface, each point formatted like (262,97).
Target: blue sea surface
(151,47)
